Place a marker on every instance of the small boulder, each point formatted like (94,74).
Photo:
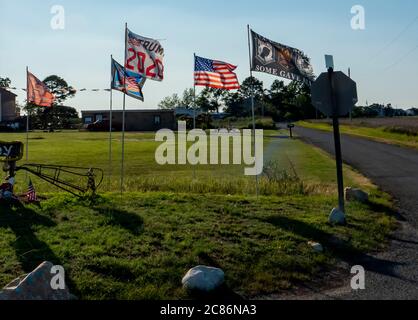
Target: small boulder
(352,194)
(35,286)
(205,279)
(317,247)
(337,217)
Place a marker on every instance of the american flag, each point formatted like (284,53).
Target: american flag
(132,84)
(31,194)
(215,74)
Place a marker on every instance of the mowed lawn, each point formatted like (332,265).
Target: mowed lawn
(173,218)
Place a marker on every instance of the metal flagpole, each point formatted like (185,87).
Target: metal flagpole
(110,123)
(194,92)
(123,117)
(252,101)
(349,75)
(28,114)
(194,105)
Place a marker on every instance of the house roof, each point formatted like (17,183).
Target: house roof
(2,90)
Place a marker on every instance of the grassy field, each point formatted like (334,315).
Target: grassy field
(172,218)
(398,131)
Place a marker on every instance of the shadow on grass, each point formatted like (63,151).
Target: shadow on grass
(339,248)
(117,272)
(121,218)
(377,207)
(30,251)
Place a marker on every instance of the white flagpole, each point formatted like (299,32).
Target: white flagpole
(123,118)
(252,101)
(110,124)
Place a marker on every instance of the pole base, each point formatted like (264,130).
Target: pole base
(337,217)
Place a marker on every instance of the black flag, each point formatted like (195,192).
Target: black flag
(280,60)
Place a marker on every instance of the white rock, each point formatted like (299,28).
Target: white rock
(317,247)
(352,194)
(35,286)
(337,217)
(203,278)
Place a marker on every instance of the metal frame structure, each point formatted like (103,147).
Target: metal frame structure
(53,173)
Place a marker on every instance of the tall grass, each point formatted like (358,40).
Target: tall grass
(273,181)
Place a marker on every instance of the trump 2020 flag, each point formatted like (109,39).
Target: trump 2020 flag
(215,74)
(38,93)
(134,82)
(280,60)
(144,56)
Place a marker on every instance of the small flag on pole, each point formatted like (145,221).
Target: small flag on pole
(38,93)
(215,74)
(31,194)
(134,82)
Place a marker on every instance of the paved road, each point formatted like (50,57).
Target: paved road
(393,274)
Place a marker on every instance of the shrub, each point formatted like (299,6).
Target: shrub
(266,124)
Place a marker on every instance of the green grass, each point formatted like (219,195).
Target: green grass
(172,218)
(139,247)
(390,135)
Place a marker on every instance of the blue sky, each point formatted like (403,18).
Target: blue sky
(214,29)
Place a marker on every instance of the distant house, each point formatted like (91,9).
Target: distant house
(7,106)
(412,112)
(187,112)
(135,120)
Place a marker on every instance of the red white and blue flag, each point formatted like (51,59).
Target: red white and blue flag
(144,56)
(31,194)
(127,82)
(215,74)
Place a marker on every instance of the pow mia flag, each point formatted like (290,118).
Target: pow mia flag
(280,60)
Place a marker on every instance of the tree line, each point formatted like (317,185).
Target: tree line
(281,102)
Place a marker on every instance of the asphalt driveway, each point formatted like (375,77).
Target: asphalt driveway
(394,273)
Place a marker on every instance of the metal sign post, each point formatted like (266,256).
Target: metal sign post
(337,141)
(290,126)
(335,94)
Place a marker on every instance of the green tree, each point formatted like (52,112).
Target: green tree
(239,104)
(59,88)
(211,99)
(57,117)
(170,102)
(188,98)
(289,102)
(5,82)
(250,85)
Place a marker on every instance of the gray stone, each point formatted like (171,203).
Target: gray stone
(352,194)
(35,286)
(337,217)
(317,247)
(202,278)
